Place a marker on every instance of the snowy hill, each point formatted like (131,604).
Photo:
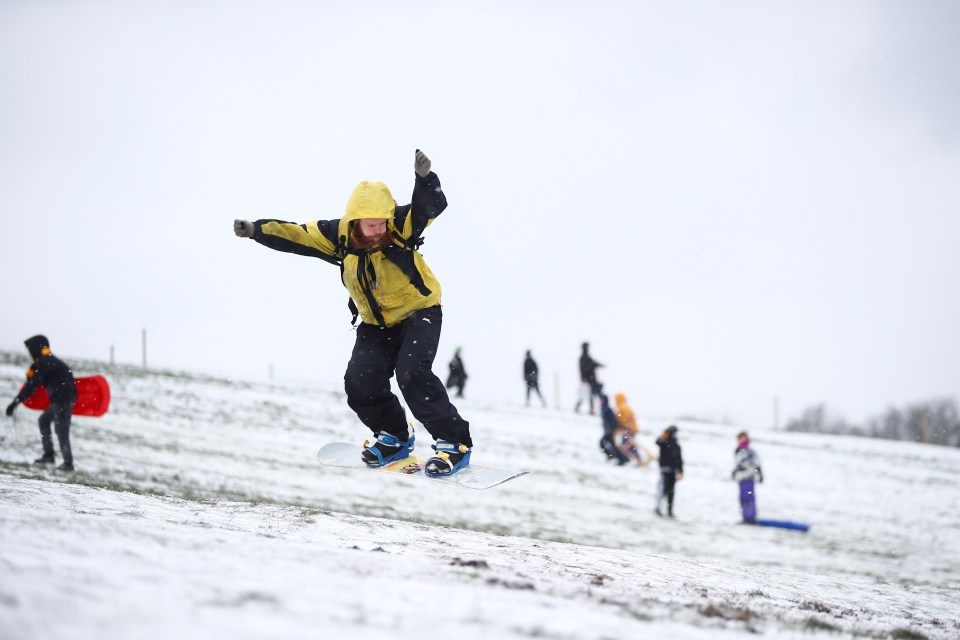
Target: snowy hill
(198,509)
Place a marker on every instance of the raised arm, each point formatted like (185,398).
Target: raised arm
(427,202)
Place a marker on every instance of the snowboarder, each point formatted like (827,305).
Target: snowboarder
(458,374)
(531,375)
(56,377)
(746,470)
(671,469)
(588,376)
(397,298)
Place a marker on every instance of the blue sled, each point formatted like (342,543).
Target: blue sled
(784,524)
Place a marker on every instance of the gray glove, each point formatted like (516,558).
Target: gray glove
(421,164)
(244,228)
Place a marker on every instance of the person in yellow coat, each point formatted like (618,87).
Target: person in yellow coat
(625,438)
(625,414)
(397,298)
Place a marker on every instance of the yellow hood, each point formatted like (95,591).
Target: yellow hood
(370,200)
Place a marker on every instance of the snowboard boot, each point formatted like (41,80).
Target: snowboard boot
(47,458)
(386,449)
(450,459)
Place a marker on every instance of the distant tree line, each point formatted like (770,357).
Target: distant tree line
(934,421)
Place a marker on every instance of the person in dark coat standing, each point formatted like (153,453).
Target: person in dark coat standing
(588,376)
(531,375)
(56,377)
(671,469)
(458,374)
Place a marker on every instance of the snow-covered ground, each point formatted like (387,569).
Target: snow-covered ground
(198,509)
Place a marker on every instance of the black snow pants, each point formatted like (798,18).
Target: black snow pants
(407,349)
(59,413)
(668,483)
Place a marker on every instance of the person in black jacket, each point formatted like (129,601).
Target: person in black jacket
(531,375)
(671,469)
(56,377)
(458,374)
(588,376)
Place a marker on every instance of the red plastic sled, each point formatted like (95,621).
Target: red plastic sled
(93,397)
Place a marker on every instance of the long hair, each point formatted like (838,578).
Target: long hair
(360,241)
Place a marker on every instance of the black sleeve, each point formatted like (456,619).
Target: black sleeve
(428,200)
(33,381)
(316,239)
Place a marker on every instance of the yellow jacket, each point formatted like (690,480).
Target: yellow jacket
(385,286)
(625,414)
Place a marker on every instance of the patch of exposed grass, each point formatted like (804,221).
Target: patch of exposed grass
(816,624)
(907,634)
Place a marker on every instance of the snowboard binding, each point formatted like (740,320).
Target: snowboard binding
(450,459)
(386,449)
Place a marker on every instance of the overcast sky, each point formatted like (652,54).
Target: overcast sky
(731,201)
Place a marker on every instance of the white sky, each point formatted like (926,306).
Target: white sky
(730,201)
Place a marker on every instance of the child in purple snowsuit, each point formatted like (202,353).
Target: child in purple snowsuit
(746,470)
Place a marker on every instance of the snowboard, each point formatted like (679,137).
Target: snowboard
(474,476)
(93,397)
(784,524)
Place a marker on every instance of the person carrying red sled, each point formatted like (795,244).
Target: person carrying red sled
(56,377)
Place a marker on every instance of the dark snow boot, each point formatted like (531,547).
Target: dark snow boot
(47,458)
(66,466)
(450,459)
(386,449)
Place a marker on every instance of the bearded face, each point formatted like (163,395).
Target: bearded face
(370,233)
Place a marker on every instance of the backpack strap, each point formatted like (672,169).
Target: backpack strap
(400,217)
(340,251)
(403,258)
(367,279)
(409,244)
